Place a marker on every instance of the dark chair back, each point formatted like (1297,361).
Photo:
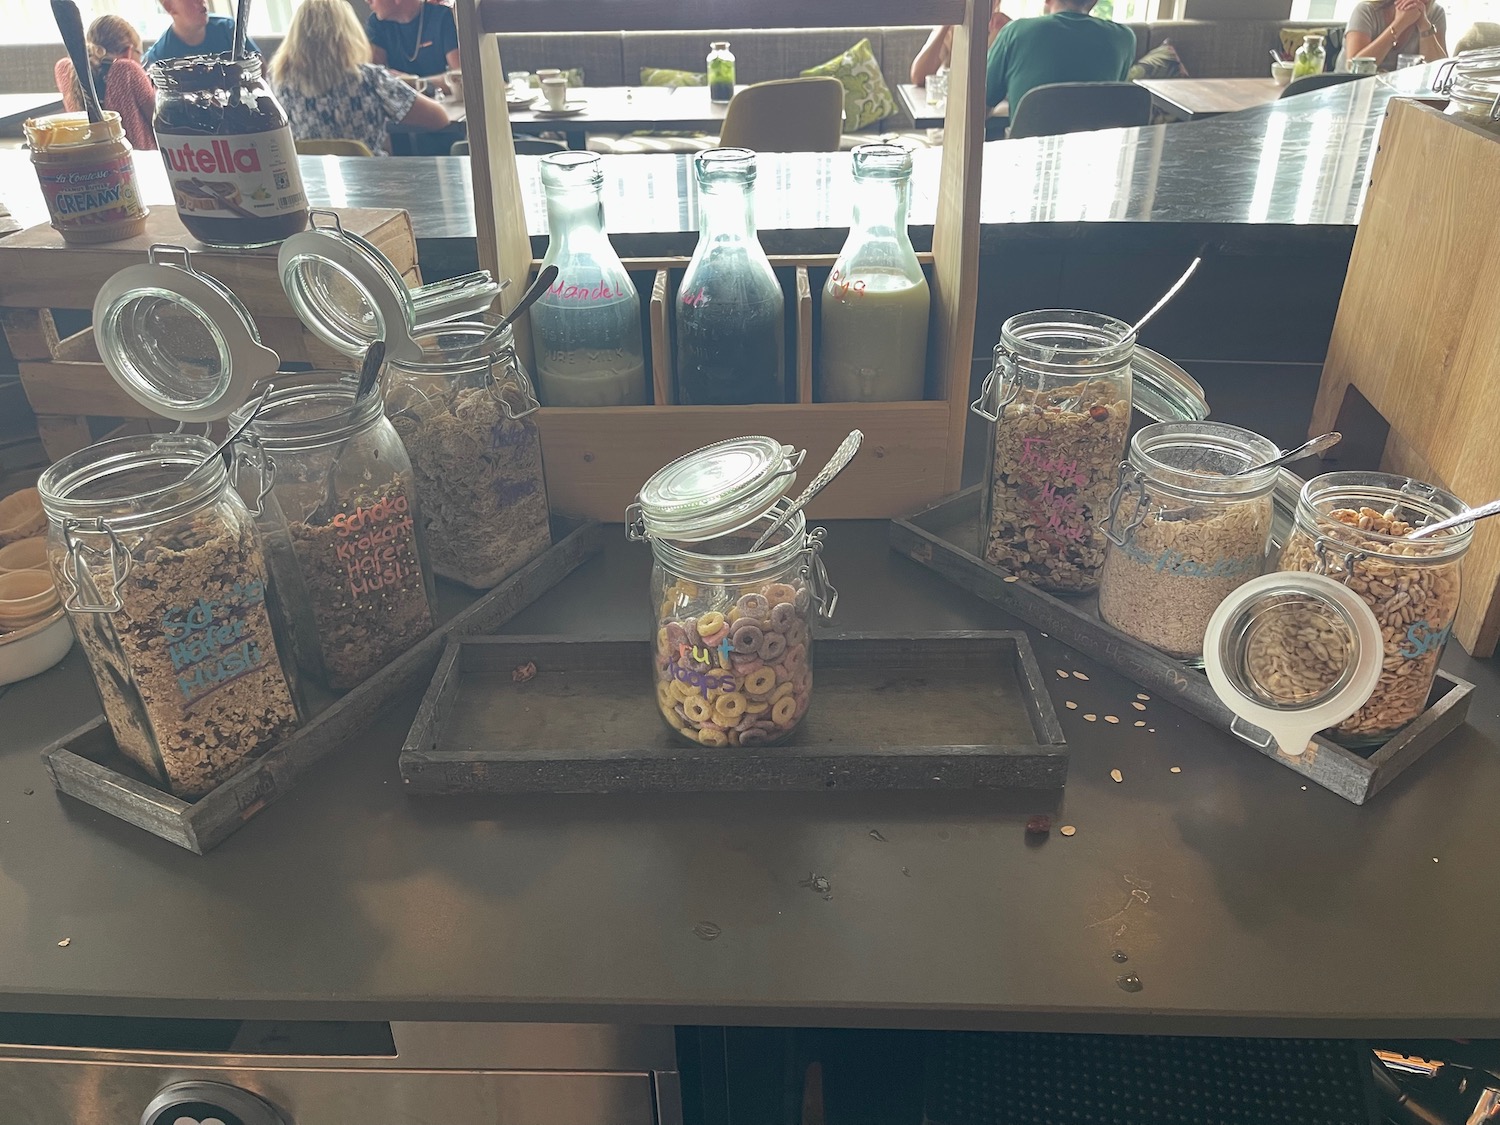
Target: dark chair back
(1077,107)
(1316,82)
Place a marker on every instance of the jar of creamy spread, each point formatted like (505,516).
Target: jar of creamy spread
(87,173)
(228,150)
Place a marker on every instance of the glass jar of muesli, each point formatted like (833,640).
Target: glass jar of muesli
(467,420)
(1059,403)
(165,581)
(332,469)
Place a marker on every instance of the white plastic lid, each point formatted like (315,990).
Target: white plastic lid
(349,295)
(177,341)
(1291,654)
(714,490)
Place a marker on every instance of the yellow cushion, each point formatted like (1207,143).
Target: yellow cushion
(867,98)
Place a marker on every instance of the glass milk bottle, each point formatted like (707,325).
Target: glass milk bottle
(720,72)
(730,311)
(587,327)
(1311,57)
(876,300)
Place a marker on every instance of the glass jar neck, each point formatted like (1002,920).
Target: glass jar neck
(206,72)
(726,193)
(1203,461)
(1067,342)
(1412,501)
(133,483)
(313,414)
(718,560)
(880,206)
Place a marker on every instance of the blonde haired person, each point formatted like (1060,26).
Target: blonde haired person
(330,89)
(115,58)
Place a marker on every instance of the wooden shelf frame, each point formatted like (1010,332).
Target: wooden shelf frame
(889,484)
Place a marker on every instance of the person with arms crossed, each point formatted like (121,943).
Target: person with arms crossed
(329,88)
(194,32)
(417,37)
(1386,29)
(1065,45)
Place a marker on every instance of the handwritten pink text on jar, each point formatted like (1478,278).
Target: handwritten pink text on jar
(376,545)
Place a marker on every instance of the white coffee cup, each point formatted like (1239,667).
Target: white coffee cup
(455,81)
(555,90)
(547,72)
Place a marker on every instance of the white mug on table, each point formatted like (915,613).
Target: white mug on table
(555,90)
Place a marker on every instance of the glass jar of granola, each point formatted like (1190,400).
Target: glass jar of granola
(1058,399)
(1185,530)
(332,469)
(1352,527)
(164,579)
(732,639)
(467,421)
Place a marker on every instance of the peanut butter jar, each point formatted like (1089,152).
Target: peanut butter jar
(87,173)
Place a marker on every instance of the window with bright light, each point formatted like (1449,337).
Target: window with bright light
(1125,11)
(30,21)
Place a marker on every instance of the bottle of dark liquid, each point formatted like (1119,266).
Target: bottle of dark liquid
(720,72)
(730,314)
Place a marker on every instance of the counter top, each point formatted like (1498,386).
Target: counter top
(1247,902)
(1294,163)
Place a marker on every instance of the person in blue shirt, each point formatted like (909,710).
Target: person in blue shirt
(413,37)
(194,32)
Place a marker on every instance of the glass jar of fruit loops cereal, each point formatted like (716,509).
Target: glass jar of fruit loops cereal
(733,635)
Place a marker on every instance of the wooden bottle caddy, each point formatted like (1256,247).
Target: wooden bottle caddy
(597,458)
(64,379)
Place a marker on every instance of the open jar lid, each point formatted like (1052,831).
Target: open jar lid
(349,295)
(1291,654)
(714,490)
(1164,392)
(177,341)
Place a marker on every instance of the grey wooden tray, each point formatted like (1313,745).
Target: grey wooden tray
(934,711)
(943,538)
(87,764)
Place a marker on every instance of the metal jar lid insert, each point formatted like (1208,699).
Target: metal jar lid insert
(714,490)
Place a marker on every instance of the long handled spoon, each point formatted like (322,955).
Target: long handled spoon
(1484,511)
(241,29)
(542,283)
(70,23)
(238,430)
(1135,329)
(369,371)
(1319,444)
(841,457)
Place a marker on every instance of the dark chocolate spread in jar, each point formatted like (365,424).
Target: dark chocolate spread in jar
(229,152)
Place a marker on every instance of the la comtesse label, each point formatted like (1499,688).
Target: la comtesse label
(234,176)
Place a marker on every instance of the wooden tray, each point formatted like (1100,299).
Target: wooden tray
(943,538)
(934,711)
(88,765)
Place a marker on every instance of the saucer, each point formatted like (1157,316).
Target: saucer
(520,103)
(569,110)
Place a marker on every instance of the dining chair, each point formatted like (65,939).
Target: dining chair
(1311,82)
(1077,107)
(332,146)
(787,115)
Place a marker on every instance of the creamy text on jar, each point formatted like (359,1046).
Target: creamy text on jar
(87,175)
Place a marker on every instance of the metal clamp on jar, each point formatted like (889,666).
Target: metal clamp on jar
(1348,635)
(733,636)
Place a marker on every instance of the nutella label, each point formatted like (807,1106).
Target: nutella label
(93,194)
(233,176)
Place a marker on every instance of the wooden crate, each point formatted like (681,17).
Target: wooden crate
(1418,329)
(597,459)
(65,381)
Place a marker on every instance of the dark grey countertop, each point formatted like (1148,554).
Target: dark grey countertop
(1247,902)
(1298,163)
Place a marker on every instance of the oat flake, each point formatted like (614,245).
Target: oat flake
(1079,676)
(1090,717)
(1070,705)
(1067,830)
(1176,769)
(1116,776)
(1111,718)
(1138,706)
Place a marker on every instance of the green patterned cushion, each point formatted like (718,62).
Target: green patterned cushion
(866,96)
(1159,62)
(662,76)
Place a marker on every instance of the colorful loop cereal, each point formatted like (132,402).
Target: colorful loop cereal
(760,682)
(747,637)
(753,605)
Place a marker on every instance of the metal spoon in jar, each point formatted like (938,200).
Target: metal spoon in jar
(1135,329)
(1320,444)
(841,457)
(1484,511)
(542,283)
(369,371)
(238,430)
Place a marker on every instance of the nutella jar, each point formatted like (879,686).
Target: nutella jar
(87,174)
(229,151)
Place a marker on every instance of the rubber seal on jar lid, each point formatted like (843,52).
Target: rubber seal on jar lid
(1291,654)
(349,295)
(717,489)
(177,341)
(1163,391)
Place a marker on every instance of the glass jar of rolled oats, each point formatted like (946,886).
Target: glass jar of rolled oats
(1058,400)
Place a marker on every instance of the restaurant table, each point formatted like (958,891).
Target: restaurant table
(1193,99)
(624,109)
(927,116)
(16,108)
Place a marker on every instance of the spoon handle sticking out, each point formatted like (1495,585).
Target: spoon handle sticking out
(1484,511)
(841,457)
(70,24)
(1135,329)
(1320,444)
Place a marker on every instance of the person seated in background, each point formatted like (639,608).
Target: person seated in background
(330,89)
(1065,45)
(937,52)
(119,80)
(416,37)
(194,32)
(1386,29)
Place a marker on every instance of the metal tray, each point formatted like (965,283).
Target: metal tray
(87,764)
(933,711)
(943,538)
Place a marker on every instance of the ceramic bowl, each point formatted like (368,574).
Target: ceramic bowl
(24,554)
(21,516)
(35,648)
(26,596)
(1282,72)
